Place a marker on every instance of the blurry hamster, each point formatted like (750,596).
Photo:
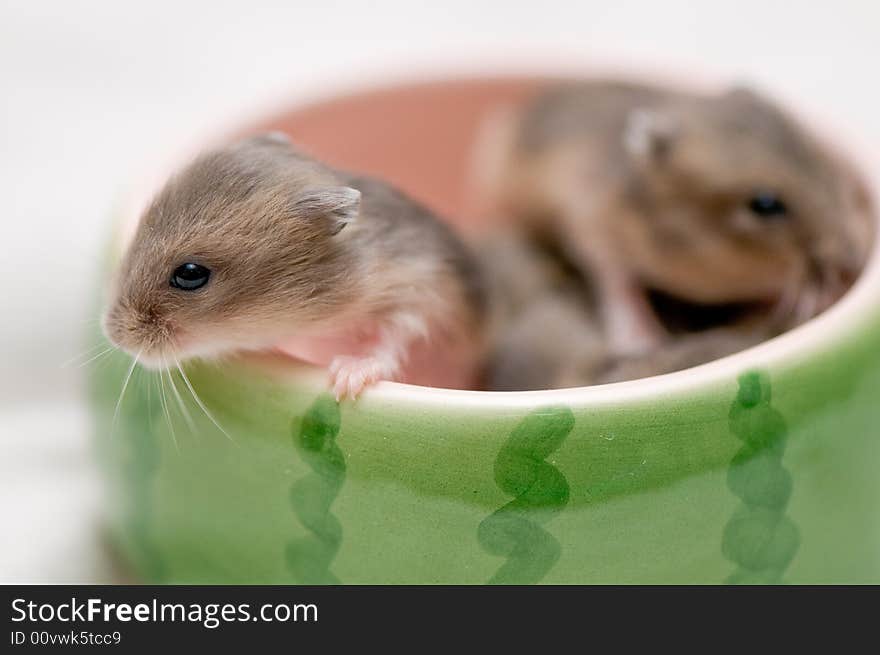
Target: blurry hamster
(546,334)
(709,198)
(543,331)
(256,246)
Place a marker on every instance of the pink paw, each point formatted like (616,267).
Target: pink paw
(351,375)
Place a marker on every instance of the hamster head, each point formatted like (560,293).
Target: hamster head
(739,204)
(239,249)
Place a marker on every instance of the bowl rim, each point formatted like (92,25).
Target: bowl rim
(845,318)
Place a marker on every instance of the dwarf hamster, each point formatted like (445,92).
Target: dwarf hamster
(257,246)
(711,198)
(544,333)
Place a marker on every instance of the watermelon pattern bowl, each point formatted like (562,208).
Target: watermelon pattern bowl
(757,468)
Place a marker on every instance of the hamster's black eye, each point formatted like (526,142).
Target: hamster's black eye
(190,277)
(767,206)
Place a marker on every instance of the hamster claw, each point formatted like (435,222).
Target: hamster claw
(349,376)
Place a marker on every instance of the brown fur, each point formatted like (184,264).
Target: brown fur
(647,188)
(261,216)
(544,332)
(677,213)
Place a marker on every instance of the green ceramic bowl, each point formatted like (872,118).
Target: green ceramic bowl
(761,467)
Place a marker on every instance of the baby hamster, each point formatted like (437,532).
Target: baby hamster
(710,198)
(257,246)
(544,334)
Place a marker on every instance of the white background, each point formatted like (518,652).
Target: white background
(91,91)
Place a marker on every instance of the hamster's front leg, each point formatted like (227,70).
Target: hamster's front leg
(630,324)
(350,375)
(628,320)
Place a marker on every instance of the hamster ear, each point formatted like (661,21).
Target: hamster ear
(270,139)
(648,133)
(341,205)
(273,138)
(753,107)
(744,100)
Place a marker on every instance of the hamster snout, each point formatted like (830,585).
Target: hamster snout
(144,330)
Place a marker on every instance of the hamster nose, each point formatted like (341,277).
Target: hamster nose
(842,255)
(114,327)
(850,272)
(130,329)
(833,277)
(850,266)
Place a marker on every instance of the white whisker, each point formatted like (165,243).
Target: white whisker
(165,408)
(150,402)
(85,353)
(103,361)
(186,415)
(122,393)
(200,403)
(95,357)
